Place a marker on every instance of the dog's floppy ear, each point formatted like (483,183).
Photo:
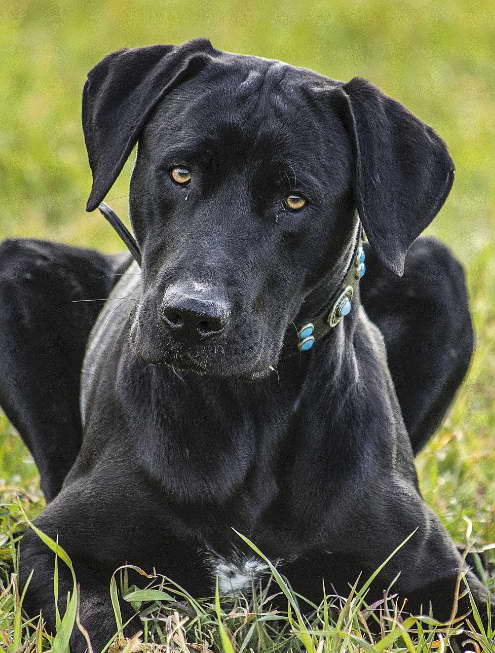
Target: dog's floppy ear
(403,171)
(119,96)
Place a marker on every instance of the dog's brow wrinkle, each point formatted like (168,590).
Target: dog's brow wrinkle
(252,81)
(292,182)
(260,86)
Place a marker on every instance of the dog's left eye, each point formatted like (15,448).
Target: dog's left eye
(181,175)
(295,202)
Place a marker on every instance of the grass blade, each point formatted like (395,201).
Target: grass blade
(224,638)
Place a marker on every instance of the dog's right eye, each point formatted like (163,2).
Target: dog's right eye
(295,202)
(181,175)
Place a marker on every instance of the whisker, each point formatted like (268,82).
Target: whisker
(107,319)
(274,369)
(102,299)
(177,374)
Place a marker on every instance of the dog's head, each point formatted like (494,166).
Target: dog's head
(248,177)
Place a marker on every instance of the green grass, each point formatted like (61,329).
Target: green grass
(437,58)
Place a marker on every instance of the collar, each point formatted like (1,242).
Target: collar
(340,303)
(122,230)
(335,310)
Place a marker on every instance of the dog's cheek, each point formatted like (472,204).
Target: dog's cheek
(135,335)
(145,335)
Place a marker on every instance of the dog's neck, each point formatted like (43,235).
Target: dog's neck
(332,299)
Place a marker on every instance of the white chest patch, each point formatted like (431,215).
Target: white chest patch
(236,575)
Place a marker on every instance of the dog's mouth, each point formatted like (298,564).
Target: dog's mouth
(197,369)
(188,363)
(178,363)
(185,363)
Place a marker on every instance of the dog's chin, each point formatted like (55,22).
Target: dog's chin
(246,375)
(185,363)
(245,372)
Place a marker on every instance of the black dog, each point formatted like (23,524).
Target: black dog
(241,378)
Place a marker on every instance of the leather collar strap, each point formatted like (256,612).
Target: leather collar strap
(341,303)
(122,230)
(333,313)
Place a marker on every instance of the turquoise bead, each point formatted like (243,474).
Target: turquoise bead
(345,308)
(306,344)
(360,272)
(304,333)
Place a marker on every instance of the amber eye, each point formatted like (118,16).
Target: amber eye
(181,175)
(295,202)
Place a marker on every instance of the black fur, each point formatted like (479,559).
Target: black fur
(185,431)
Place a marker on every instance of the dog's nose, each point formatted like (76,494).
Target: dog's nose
(194,315)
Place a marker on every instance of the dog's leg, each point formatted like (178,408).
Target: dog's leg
(50,296)
(95,607)
(424,317)
(103,522)
(424,574)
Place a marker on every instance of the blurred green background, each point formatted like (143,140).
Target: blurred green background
(436,58)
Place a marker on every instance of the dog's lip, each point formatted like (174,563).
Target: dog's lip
(202,369)
(179,365)
(262,374)
(195,366)
(187,362)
